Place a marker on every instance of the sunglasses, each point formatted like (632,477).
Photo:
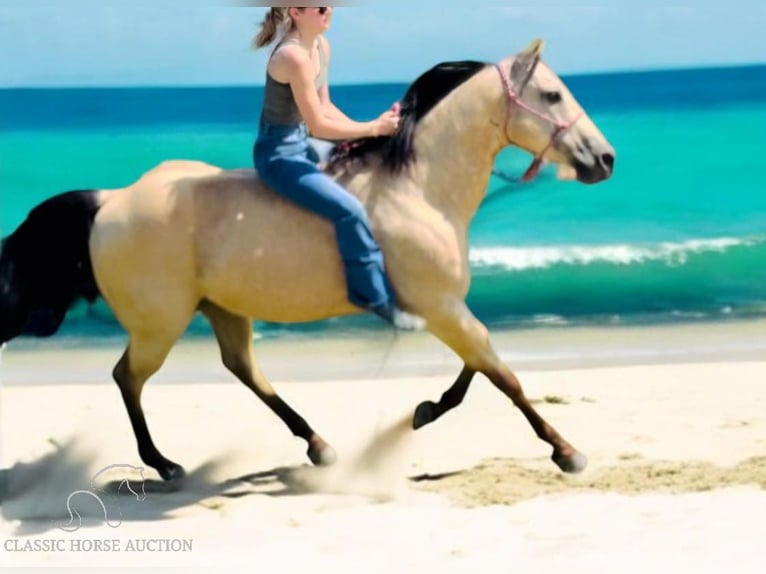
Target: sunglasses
(322,10)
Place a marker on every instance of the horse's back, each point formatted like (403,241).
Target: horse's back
(189,231)
(256,252)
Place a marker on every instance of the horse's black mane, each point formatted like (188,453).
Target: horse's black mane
(397,151)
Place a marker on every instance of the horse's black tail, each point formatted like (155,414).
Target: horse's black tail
(45,265)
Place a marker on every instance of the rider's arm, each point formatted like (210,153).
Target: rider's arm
(296,66)
(328,107)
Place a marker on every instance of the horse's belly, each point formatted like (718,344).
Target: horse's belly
(296,281)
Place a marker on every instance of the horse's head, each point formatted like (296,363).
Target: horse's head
(545,119)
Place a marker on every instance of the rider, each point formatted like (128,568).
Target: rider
(296,100)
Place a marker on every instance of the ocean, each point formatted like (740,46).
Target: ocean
(677,235)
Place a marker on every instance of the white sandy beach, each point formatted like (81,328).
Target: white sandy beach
(676,442)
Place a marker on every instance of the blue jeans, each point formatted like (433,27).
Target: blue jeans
(281,156)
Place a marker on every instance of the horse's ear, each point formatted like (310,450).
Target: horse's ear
(525,63)
(535,49)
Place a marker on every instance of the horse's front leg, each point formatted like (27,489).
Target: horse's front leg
(469,338)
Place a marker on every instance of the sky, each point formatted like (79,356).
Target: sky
(206,42)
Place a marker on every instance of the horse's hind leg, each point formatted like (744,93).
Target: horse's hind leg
(469,338)
(143,357)
(428,411)
(234,334)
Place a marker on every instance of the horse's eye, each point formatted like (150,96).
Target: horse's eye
(552,97)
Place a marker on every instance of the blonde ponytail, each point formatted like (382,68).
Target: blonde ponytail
(275,18)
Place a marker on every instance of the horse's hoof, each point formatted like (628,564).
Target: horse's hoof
(424,414)
(324,455)
(571,464)
(171,471)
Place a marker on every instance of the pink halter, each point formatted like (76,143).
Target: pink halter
(560,128)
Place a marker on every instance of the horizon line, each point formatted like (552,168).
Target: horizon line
(605,72)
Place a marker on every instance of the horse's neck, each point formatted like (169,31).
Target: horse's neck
(456,145)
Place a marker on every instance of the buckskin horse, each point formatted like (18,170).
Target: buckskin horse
(188,237)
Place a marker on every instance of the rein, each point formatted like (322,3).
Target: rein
(559,128)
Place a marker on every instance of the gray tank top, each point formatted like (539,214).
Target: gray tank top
(279,105)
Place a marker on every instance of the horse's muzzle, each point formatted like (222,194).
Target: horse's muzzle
(600,170)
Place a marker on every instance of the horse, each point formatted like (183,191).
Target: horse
(191,237)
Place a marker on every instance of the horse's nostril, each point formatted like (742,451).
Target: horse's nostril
(608,160)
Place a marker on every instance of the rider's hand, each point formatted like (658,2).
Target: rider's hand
(388,122)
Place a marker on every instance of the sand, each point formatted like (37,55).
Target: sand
(676,480)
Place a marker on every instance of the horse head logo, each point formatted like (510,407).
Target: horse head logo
(95,493)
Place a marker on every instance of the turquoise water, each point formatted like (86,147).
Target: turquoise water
(678,234)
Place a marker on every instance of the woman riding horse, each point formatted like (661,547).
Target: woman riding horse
(297,98)
(188,236)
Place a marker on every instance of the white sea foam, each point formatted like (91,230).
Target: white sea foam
(524,258)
